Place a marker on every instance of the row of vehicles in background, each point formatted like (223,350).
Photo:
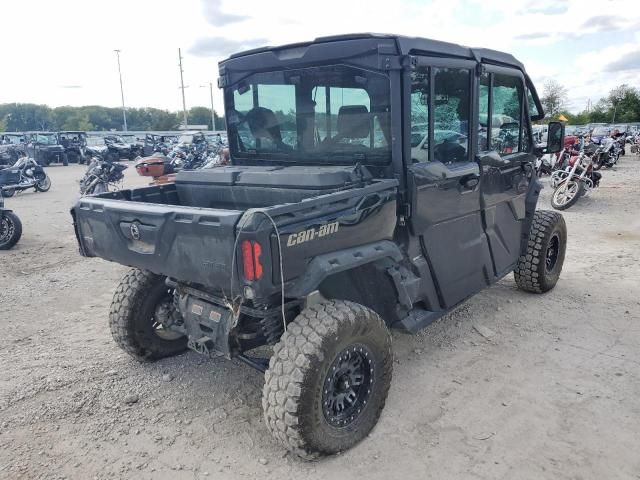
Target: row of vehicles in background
(574,170)
(79,147)
(163,157)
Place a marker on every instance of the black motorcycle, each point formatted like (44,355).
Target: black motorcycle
(24,174)
(100,176)
(10,226)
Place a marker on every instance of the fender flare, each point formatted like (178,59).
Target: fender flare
(328,264)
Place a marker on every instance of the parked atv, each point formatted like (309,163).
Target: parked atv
(326,230)
(10,226)
(12,147)
(45,149)
(74,144)
(117,149)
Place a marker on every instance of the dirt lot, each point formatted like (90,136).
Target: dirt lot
(548,390)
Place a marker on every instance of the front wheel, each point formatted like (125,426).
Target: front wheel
(10,230)
(8,192)
(538,270)
(141,313)
(43,184)
(328,378)
(567,194)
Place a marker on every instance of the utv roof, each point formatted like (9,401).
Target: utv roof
(391,45)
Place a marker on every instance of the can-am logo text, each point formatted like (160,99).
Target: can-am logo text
(312,234)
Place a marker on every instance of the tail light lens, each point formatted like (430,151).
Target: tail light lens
(252,266)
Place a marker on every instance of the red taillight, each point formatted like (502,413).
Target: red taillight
(251,252)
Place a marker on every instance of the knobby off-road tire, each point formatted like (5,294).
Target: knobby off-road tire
(329,348)
(10,230)
(133,317)
(539,268)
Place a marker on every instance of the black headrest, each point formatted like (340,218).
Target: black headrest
(353,121)
(263,123)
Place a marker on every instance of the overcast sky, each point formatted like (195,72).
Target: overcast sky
(61,52)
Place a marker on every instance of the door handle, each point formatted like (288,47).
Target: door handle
(470,182)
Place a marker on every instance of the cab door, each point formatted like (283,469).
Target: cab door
(505,158)
(444,178)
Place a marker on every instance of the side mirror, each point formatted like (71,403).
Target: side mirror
(555,137)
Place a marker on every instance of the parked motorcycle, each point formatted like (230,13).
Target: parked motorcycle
(24,174)
(100,176)
(576,180)
(10,226)
(608,154)
(635,144)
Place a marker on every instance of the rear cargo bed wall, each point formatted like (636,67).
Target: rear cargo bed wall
(244,187)
(241,197)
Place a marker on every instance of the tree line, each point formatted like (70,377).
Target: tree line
(24,117)
(621,105)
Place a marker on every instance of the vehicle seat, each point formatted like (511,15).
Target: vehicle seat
(353,122)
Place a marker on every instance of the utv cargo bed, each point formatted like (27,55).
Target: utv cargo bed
(187,230)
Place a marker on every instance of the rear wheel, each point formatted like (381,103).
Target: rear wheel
(538,270)
(328,378)
(10,230)
(566,194)
(44,184)
(141,312)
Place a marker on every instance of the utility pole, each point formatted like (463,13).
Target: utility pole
(184,103)
(124,111)
(213,115)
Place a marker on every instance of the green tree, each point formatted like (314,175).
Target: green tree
(554,98)
(200,116)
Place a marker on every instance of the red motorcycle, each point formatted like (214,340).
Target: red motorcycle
(577,179)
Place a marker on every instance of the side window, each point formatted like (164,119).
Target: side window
(507,93)
(420,115)
(533,109)
(452,87)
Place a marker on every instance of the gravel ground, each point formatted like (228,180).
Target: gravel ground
(510,385)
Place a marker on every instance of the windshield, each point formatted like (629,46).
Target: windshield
(13,139)
(331,114)
(45,139)
(601,131)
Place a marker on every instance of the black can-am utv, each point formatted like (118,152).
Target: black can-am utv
(364,194)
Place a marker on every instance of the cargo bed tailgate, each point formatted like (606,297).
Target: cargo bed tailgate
(185,243)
